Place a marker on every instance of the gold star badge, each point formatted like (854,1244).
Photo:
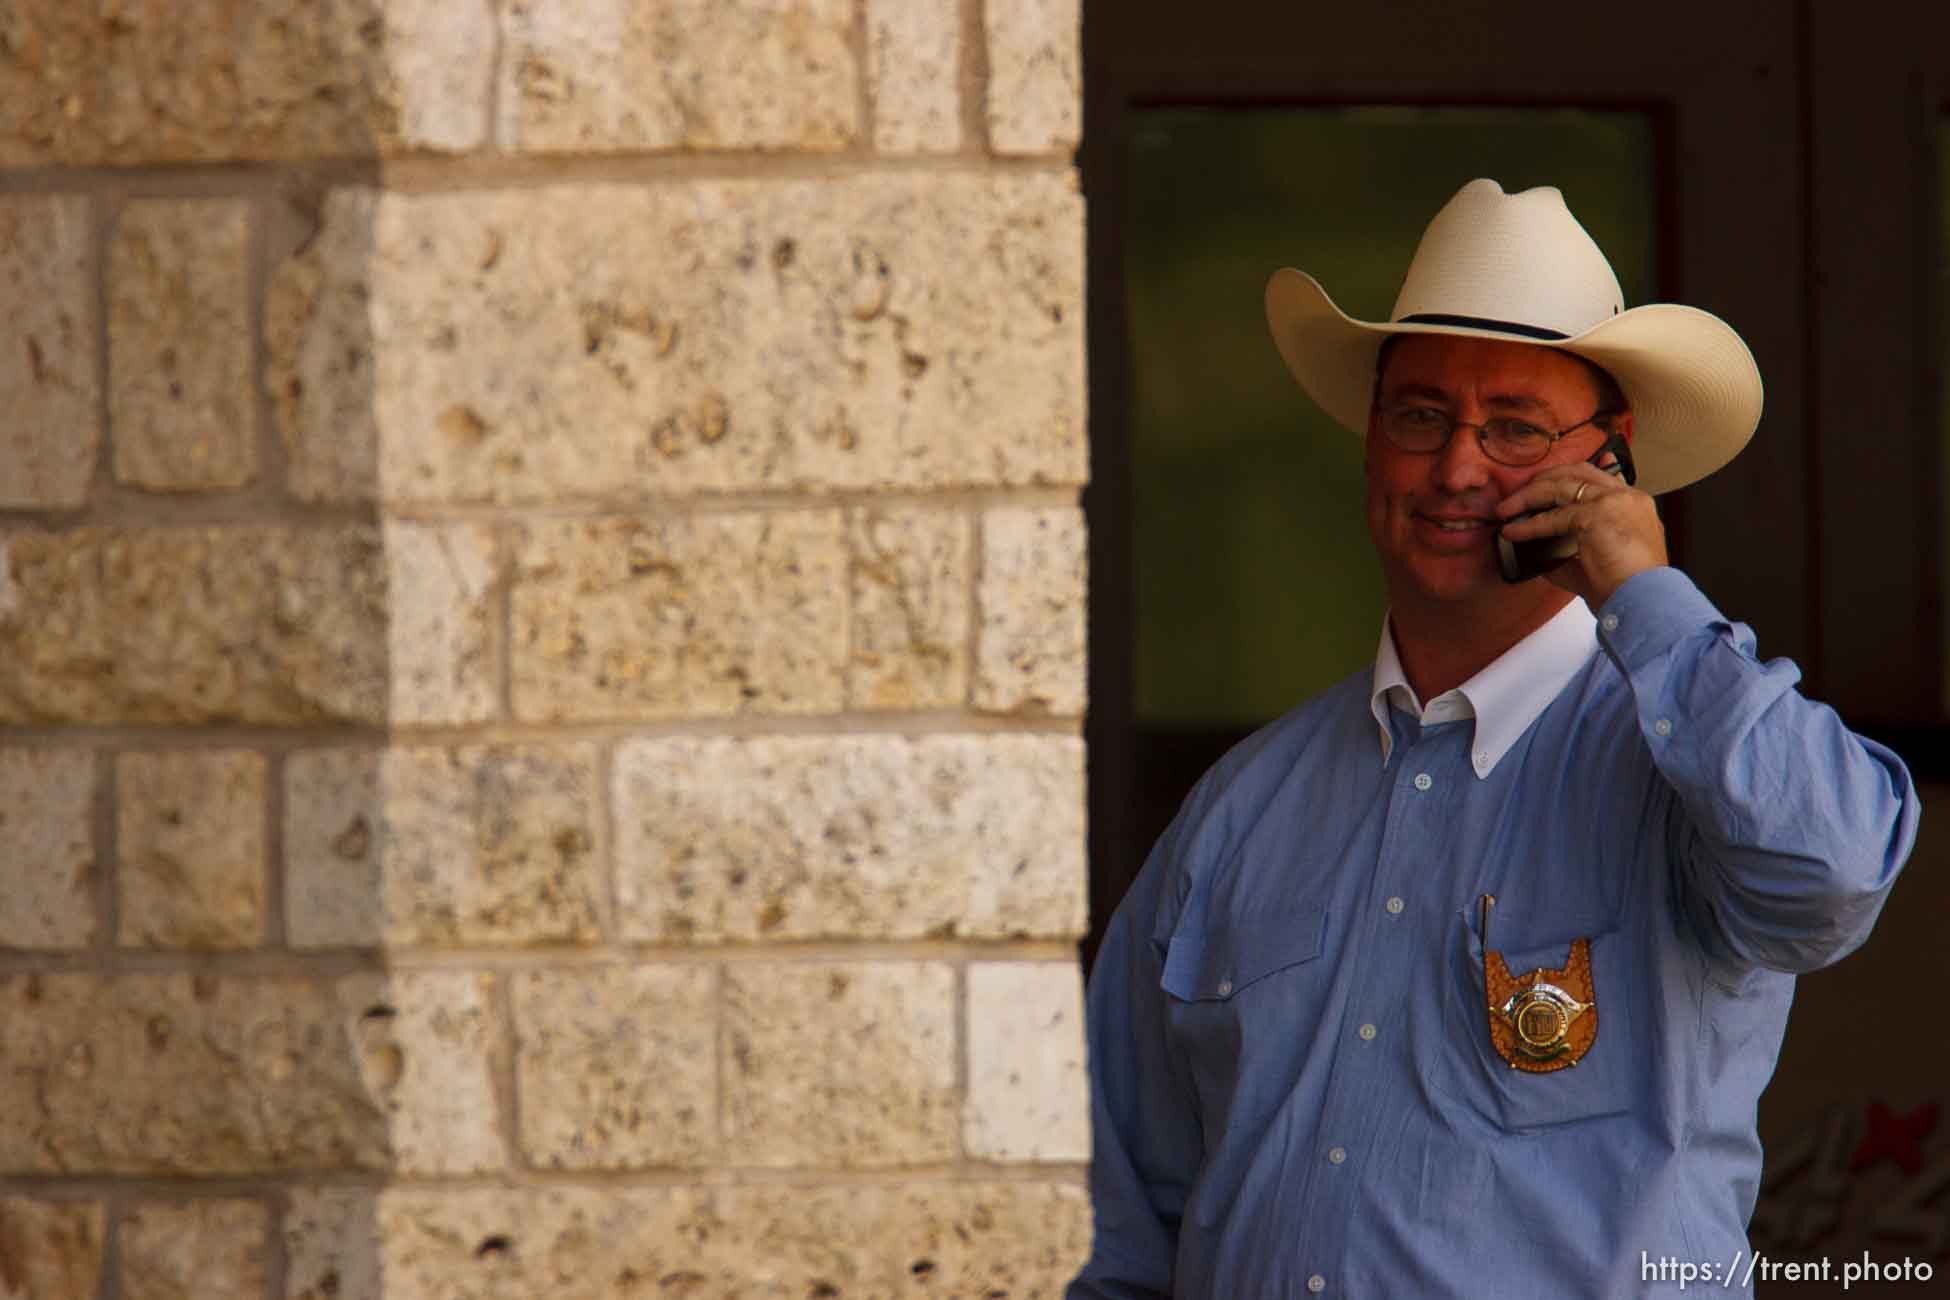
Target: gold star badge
(1541,1020)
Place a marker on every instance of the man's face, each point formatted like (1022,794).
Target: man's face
(1430,514)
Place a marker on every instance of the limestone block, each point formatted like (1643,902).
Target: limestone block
(875,836)
(842,1063)
(1028,1094)
(50,1250)
(181,1075)
(130,83)
(916,52)
(440,579)
(1029,654)
(334,828)
(47,841)
(617,1068)
(1023,1240)
(1035,94)
(190,625)
(901,330)
(655,617)
(427,1045)
(49,385)
(331,1244)
(190,830)
(431,847)
(910,576)
(192,1250)
(607,75)
(318,356)
(182,408)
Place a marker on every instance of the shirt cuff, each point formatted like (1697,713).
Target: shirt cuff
(1650,613)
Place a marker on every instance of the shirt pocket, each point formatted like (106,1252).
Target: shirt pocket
(1240,997)
(1470,1069)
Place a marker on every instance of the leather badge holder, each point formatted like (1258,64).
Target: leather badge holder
(1542,1020)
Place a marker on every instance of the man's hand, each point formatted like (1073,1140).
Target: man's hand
(1617,527)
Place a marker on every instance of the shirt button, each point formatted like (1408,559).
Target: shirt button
(1316,1284)
(1395,906)
(1337,1156)
(1422,781)
(1663,726)
(1225,988)
(1609,622)
(1367,1033)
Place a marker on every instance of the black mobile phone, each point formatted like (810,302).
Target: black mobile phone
(1522,561)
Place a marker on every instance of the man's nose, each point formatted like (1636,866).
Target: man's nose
(1461,465)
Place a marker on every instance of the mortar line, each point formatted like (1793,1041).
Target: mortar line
(268,471)
(432,174)
(114,1210)
(975,533)
(343,962)
(610,922)
(277,1260)
(962,1094)
(495,146)
(126,508)
(866,90)
(105,214)
(114,1189)
(108,854)
(501,1065)
(501,613)
(274,930)
(975,83)
(916,725)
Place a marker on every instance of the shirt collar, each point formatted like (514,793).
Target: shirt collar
(1504,698)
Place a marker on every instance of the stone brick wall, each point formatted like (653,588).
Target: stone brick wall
(541,649)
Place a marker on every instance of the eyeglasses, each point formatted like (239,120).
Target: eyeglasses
(1505,439)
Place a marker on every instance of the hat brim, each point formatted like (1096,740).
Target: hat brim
(1691,381)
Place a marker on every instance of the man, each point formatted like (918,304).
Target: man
(1463,979)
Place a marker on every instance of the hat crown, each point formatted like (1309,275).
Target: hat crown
(1519,259)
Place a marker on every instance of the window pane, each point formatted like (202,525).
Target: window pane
(1256,586)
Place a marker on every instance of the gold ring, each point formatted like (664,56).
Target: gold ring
(1580,496)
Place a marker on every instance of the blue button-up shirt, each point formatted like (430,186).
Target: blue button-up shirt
(1295,1089)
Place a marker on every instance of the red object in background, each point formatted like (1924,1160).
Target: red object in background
(1897,1137)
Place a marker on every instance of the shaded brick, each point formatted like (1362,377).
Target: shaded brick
(603,342)
(888,1098)
(655,617)
(886,837)
(180,1075)
(1023,1240)
(319,367)
(80,84)
(334,834)
(186,625)
(192,1250)
(47,841)
(439,580)
(617,1068)
(1035,92)
(916,52)
(1029,654)
(910,573)
(427,1042)
(1028,1095)
(51,1250)
(605,75)
(181,402)
(49,382)
(190,829)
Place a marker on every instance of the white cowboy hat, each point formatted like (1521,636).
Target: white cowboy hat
(1520,267)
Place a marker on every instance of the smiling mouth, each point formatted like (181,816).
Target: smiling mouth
(1456,525)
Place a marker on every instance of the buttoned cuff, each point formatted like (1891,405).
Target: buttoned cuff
(1650,613)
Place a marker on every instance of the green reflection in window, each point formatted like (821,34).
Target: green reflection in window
(1256,586)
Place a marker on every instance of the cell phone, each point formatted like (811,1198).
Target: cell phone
(1522,561)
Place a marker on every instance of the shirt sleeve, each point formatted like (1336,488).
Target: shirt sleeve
(1788,829)
(1146,1145)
